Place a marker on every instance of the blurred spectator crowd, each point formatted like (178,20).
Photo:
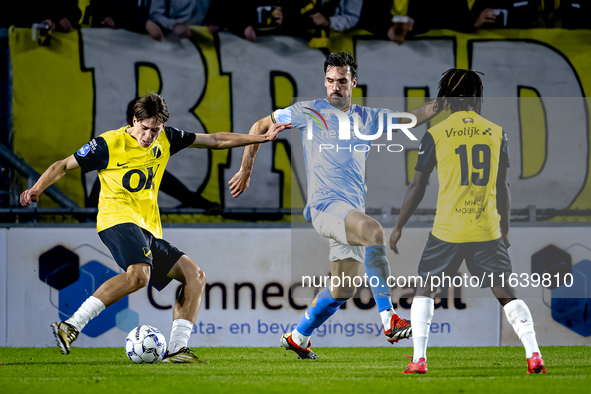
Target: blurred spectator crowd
(313,20)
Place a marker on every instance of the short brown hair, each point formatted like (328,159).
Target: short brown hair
(151,105)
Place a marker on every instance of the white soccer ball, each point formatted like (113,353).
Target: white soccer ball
(145,345)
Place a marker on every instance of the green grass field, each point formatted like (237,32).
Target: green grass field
(258,370)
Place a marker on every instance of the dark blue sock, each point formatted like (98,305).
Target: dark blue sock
(325,307)
(377,267)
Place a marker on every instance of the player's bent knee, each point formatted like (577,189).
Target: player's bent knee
(194,273)
(373,233)
(187,272)
(200,277)
(139,280)
(143,281)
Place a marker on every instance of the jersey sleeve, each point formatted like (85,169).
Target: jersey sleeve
(427,159)
(93,156)
(504,156)
(293,113)
(178,139)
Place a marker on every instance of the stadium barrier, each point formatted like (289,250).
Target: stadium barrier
(254,292)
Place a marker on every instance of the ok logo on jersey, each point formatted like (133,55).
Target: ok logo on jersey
(143,181)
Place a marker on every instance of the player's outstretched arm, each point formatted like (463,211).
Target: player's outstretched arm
(412,199)
(234,140)
(240,181)
(504,203)
(49,177)
(423,113)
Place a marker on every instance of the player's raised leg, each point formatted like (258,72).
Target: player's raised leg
(186,310)
(521,320)
(324,305)
(136,277)
(366,231)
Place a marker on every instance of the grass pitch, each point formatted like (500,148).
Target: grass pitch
(261,370)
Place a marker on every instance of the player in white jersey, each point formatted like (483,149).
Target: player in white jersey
(335,169)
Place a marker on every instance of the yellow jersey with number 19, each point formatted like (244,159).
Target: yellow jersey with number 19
(467,150)
(130,175)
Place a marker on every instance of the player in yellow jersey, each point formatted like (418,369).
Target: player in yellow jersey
(130,162)
(473,208)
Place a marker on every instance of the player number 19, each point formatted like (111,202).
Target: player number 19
(478,178)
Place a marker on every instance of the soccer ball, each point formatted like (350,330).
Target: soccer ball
(145,344)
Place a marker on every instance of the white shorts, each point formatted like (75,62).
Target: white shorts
(331,224)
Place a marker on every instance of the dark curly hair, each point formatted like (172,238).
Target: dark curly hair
(466,85)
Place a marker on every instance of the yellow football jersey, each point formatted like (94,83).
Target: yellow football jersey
(467,150)
(130,175)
